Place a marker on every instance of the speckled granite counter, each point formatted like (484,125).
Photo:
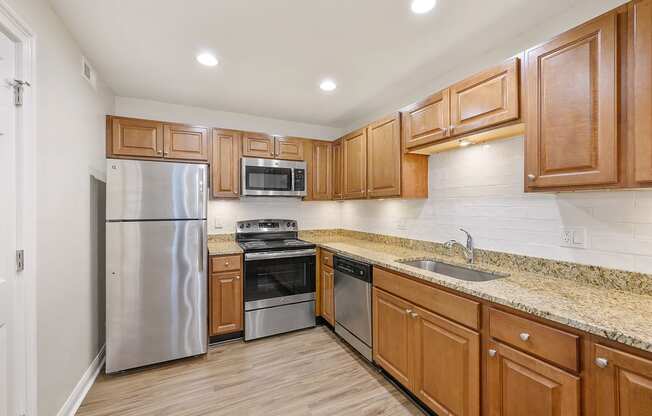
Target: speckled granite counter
(618,315)
(222,244)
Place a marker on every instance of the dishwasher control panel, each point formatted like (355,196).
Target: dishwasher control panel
(362,271)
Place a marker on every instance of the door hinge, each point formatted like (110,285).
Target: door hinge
(20,260)
(18,86)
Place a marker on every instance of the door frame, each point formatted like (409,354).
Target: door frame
(14,27)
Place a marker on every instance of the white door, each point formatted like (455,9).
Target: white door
(8,287)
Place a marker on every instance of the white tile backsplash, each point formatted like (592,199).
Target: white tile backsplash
(480,188)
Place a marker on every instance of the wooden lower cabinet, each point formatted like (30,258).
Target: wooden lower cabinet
(436,359)
(391,339)
(519,384)
(225,295)
(446,365)
(622,383)
(327,286)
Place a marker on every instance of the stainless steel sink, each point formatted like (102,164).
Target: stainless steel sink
(456,272)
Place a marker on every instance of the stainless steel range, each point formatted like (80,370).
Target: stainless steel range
(279,278)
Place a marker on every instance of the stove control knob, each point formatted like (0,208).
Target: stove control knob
(241,226)
(248,225)
(288,224)
(294,224)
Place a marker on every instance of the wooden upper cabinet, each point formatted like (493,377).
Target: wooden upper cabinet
(185,142)
(391,335)
(446,365)
(322,168)
(642,81)
(486,99)
(384,158)
(622,383)
(428,121)
(518,384)
(288,148)
(257,145)
(133,137)
(572,92)
(225,163)
(354,148)
(337,169)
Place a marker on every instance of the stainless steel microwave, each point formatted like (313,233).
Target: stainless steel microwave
(271,177)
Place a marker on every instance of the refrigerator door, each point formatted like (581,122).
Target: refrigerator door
(156,290)
(139,189)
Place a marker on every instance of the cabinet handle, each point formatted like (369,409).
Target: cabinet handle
(408,311)
(159,152)
(237,277)
(226,263)
(601,362)
(524,336)
(492,353)
(414,315)
(531,177)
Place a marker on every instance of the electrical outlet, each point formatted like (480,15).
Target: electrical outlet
(573,237)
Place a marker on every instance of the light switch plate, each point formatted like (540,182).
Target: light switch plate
(573,237)
(218,224)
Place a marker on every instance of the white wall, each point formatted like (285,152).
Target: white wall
(148,109)
(69,148)
(480,188)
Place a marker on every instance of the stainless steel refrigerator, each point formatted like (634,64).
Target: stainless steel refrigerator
(156,286)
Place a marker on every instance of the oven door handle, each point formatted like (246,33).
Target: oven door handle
(279,254)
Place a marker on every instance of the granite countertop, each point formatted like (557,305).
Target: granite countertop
(221,246)
(615,314)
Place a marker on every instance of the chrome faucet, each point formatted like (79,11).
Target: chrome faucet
(468,249)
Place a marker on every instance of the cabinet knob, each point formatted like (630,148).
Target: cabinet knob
(237,277)
(601,362)
(159,152)
(524,336)
(492,353)
(408,311)
(531,177)
(226,263)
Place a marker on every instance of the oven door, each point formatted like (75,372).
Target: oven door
(278,281)
(268,177)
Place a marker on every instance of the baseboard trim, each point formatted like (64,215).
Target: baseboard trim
(78,394)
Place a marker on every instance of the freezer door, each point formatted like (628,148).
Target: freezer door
(156,291)
(143,190)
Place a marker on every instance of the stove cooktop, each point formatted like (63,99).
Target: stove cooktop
(271,245)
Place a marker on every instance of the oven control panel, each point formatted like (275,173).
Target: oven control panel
(265,226)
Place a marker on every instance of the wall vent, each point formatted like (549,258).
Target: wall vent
(88,72)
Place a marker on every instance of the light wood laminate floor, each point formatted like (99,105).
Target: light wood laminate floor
(309,372)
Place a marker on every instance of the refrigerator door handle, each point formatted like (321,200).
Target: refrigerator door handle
(201,249)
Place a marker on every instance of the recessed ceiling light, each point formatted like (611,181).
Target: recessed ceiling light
(328,85)
(207,59)
(423,6)
(464,142)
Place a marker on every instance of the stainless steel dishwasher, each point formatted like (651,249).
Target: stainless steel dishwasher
(353,303)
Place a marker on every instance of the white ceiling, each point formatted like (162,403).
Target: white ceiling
(273,53)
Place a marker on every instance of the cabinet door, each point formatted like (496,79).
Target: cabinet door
(327,295)
(428,121)
(355,165)
(642,80)
(384,158)
(518,385)
(288,148)
(392,327)
(485,99)
(623,383)
(337,170)
(138,138)
(185,142)
(572,88)
(322,166)
(225,163)
(226,303)
(446,365)
(257,145)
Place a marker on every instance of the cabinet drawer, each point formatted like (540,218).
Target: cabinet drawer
(453,307)
(327,258)
(225,263)
(546,342)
